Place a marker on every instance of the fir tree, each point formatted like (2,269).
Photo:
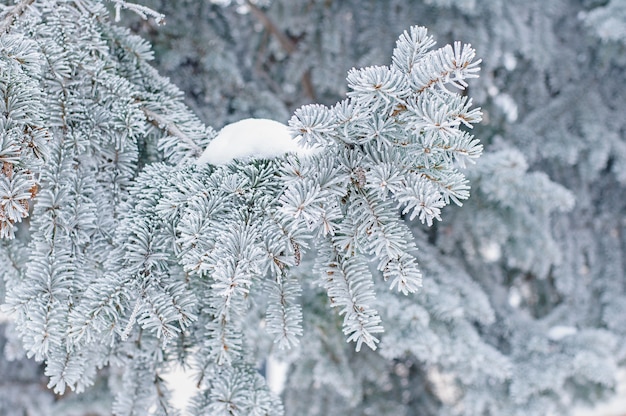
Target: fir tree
(137,256)
(533,275)
(128,254)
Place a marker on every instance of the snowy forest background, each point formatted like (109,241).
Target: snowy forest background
(523,300)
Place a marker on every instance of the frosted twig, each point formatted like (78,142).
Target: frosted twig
(131,321)
(171,128)
(142,11)
(13,14)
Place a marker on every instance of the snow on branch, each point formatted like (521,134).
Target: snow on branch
(136,251)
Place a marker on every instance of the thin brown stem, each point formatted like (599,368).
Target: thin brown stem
(283,39)
(307,84)
(287,44)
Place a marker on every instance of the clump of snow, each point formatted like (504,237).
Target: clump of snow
(509,61)
(251,138)
(490,251)
(558,332)
(515,297)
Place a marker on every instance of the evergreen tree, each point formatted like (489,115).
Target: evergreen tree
(138,255)
(130,255)
(540,244)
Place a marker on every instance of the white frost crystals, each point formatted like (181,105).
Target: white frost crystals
(138,255)
(250,138)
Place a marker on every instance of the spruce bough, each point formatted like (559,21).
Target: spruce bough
(120,250)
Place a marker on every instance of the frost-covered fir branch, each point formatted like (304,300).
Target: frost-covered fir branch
(133,248)
(552,94)
(89,110)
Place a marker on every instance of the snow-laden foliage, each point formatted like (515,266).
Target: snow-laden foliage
(520,260)
(131,254)
(522,300)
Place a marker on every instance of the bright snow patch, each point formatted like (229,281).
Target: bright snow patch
(558,332)
(491,251)
(276,374)
(515,297)
(250,138)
